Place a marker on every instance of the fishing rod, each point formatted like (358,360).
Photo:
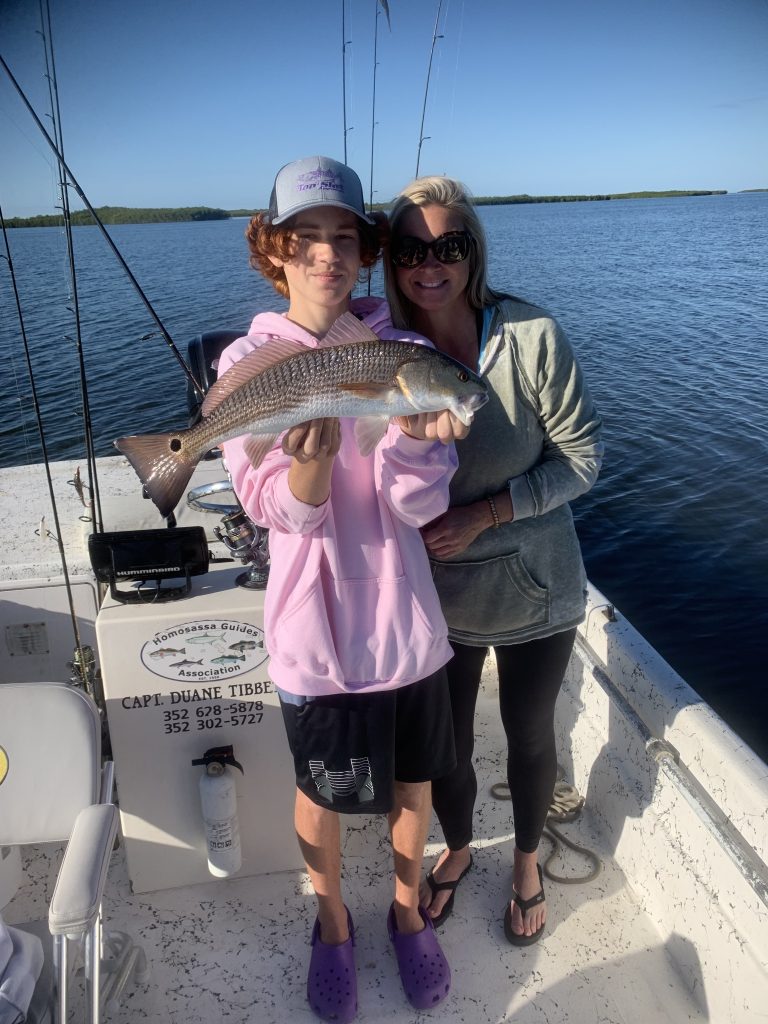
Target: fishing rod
(73,181)
(422,137)
(83,655)
(53,91)
(385,6)
(344,43)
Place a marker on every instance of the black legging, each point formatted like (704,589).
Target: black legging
(530,676)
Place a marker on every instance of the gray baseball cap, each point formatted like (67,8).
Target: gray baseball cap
(316,181)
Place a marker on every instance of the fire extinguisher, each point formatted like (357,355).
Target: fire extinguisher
(218,800)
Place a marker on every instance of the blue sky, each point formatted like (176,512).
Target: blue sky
(186,103)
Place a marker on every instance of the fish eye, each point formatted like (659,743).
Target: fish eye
(463,376)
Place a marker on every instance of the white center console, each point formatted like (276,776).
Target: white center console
(181,677)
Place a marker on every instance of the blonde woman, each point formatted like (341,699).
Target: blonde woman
(505,556)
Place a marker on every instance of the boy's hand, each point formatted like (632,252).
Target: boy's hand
(314,446)
(433,426)
(313,439)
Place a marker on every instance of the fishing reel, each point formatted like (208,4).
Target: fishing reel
(239,535)
(250,544)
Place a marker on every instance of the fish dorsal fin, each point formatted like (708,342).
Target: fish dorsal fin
(346,330)
(273,351)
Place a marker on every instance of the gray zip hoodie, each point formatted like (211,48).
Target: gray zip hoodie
(539,435)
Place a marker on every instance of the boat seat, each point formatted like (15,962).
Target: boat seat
(204,351)
(54,788)
(251,541)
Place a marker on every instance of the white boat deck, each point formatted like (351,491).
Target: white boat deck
(674,929)
(238,950)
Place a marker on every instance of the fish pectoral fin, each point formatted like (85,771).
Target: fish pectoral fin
(402,383)
(369,430)
(366,388)
(256,447)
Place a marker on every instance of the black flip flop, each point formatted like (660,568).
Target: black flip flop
(451,887)
(525,906)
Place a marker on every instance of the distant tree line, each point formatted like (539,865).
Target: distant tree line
(130,215)
(121,215)
(507,200)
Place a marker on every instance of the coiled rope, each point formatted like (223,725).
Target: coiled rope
(567,804)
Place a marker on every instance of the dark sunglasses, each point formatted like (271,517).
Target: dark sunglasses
(452,247)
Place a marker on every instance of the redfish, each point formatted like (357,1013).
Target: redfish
(352,373)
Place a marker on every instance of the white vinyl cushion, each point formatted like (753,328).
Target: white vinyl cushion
(50,740)
(80,885)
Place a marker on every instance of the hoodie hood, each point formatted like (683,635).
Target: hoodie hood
(374,313)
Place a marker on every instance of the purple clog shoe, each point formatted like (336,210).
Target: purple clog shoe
(424,971)
(331,982)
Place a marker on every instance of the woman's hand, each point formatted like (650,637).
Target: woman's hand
(454,531)
(433,426)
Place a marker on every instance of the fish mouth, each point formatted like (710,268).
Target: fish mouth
(466,407)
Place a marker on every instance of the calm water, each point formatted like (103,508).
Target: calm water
(666,303)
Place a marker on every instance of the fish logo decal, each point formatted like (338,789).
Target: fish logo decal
(226,649)
(246,645)
(166,652)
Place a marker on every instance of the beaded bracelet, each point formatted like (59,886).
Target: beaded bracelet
(494,513)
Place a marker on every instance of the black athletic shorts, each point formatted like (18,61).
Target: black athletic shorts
(349,748)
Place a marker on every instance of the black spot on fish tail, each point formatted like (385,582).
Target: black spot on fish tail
(161,464)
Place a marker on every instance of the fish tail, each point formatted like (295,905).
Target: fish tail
(163,463)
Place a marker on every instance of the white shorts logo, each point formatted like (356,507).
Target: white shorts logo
(357,779)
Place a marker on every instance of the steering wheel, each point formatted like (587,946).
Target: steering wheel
(197,494)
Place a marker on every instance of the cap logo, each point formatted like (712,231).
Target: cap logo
(316,181)
(323,179)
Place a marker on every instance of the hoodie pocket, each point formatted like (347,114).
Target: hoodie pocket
(494,597)
(356,632)
(300,632)
(379,630)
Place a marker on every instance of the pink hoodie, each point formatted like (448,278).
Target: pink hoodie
(350,604)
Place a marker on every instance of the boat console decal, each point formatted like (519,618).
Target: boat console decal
(204,651)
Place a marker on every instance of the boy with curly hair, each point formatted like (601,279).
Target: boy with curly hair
(356,638)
